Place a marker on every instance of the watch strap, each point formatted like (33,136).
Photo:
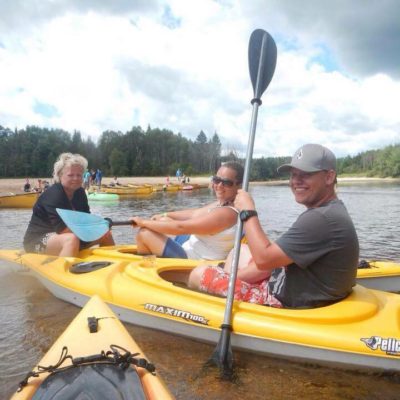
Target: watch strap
(246,214)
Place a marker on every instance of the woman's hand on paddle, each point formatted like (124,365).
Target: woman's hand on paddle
(137,221)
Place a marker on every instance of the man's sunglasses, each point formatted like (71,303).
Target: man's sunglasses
(225,182)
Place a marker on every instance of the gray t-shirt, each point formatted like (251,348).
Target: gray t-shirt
(324,247)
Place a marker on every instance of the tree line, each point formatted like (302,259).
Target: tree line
(31,152)
(382,163)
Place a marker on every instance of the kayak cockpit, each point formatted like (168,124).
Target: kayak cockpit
(361,304)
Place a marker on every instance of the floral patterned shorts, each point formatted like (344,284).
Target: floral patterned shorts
(216,281)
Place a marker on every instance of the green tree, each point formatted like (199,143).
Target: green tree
(200,153)
(117,162)
(214,153)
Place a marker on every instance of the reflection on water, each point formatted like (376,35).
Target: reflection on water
(31,318)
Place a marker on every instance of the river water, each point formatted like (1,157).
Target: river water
(31,318)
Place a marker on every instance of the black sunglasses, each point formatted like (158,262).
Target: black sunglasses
(225,182)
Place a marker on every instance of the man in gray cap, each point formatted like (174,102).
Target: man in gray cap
(314,263)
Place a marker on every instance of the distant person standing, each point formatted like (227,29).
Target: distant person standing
(178,174)
(99,177)
(92,180)
(39,187)
(86,180)
(27,186)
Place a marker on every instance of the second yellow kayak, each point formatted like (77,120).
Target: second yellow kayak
(88,358)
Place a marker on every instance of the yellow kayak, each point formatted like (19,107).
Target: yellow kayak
(94,332)
(361,331)
(381,275)
(158,187)
(21,200)
(128,190)
(172,187)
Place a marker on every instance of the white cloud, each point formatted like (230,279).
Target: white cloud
(183,66)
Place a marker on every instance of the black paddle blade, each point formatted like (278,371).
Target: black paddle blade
(262,61)
(223,355)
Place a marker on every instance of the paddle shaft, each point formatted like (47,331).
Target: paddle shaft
(238,237)
(121,223)
(260,83)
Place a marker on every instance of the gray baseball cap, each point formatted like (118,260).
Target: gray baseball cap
(311,158)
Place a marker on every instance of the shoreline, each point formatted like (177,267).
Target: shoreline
(341,180)
(15,185)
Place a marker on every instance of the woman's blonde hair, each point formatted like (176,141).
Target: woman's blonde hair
(67,160)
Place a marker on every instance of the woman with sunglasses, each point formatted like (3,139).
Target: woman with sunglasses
(200,233)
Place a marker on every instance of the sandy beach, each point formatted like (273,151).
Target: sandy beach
(16,185)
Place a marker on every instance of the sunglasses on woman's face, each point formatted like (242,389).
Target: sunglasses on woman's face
(216,180)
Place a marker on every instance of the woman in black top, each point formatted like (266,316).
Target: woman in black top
(47,233)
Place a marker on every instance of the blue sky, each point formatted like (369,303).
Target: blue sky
(94,66)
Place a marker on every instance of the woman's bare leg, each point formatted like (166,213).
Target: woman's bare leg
(150,242)
(63,245)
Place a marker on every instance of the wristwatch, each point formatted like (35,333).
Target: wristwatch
(246,214)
